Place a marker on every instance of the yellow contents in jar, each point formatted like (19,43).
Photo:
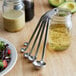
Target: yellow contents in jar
(58,37)
(14,20)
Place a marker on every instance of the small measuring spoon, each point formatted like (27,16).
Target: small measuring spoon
(28,54)
(32,58)
(28,43)
(41,63)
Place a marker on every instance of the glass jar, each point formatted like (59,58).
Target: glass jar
(13,15)
(59,33)
(29,9)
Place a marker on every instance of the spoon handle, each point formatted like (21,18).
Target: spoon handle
(34,33)
(44,25)
(37,36)
(45,40)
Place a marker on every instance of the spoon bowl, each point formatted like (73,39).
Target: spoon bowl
(22,50)
(26,55)
(26,44)
(39,64)
(31,58)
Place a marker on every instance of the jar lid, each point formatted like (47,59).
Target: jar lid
(14,0)
(63,12)
(18,4)
(28,0)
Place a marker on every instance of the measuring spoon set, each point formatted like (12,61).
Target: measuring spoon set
(42,26)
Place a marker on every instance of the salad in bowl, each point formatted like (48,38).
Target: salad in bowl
(8,56)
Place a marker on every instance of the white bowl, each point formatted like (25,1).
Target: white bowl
(13,57)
